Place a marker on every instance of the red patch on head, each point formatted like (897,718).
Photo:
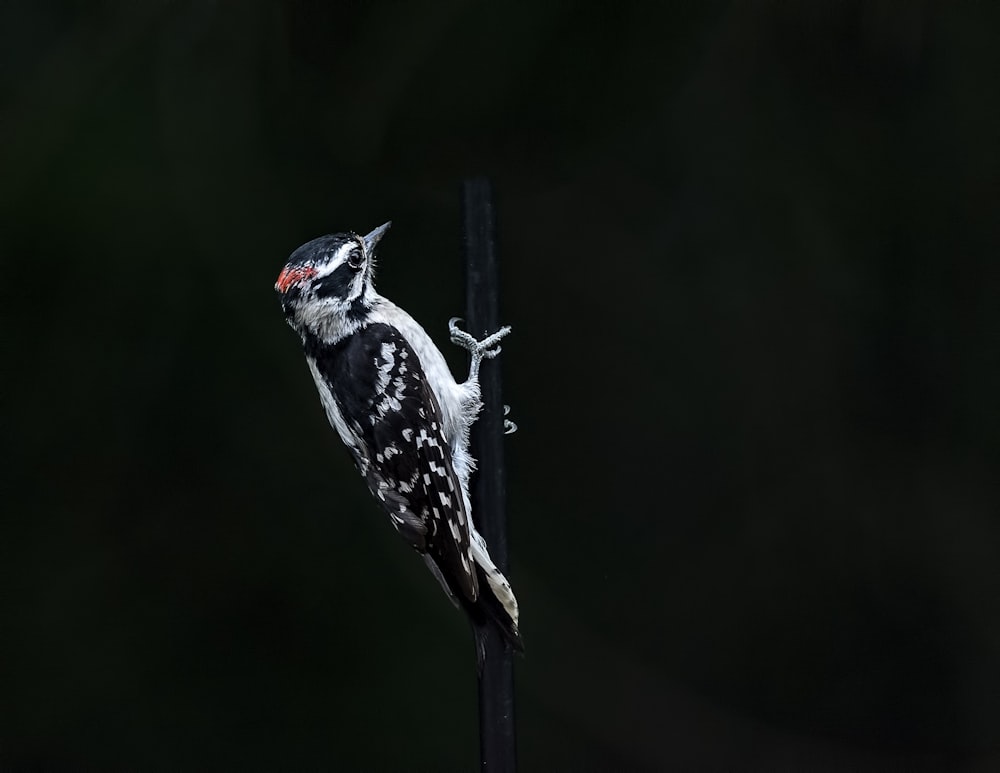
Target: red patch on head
(290,276)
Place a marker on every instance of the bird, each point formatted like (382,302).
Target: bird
(388,392)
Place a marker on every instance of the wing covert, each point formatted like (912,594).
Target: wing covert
(381,390)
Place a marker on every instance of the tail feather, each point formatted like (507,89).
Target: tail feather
(498,613)
(494,605)
(480,634)
(497,583)
(489,611)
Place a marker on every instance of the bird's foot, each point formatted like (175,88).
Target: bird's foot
(487,348)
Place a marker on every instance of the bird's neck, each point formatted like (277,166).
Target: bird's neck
(329,325)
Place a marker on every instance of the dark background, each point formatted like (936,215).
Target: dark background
(749,255)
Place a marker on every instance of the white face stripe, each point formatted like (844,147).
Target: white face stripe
(340,257)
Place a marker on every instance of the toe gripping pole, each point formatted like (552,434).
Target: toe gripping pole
(497,747)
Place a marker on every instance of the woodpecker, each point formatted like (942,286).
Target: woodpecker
(388,392)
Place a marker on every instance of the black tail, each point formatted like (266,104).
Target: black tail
(480,632)
(485,612)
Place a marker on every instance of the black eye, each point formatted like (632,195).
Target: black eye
(355,259)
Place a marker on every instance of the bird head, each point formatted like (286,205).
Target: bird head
(327,282)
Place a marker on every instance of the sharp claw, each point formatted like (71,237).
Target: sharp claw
(506,410)
(463,339)
(509,427)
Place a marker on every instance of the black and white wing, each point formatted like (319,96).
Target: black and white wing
(384,400)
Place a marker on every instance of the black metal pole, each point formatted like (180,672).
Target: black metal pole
(497,747)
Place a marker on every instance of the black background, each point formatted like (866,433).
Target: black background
(749,254)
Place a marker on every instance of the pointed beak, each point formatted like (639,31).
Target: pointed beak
(373,238)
